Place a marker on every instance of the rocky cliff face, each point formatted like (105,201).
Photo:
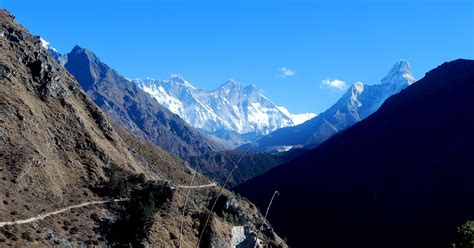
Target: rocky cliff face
(58,149)
(54,138)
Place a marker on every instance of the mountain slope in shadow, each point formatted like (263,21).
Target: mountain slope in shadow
(403,177)
(359,101)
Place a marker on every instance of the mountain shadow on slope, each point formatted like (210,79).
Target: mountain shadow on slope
(400,178)
(218,165)
(360,101)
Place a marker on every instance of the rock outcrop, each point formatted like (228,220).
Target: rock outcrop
(58,149)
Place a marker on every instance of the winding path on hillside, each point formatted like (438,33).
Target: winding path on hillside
(85,204)
(213,184)
(62,210)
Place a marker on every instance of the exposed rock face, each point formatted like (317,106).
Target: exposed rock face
(130,106)
(55,142)
(54,139)
(56,146)
(166,227)
(241,237)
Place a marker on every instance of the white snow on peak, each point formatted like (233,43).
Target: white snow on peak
(297,118)
(400,74)
(44,43)
(232,106)
(47,45)
(361,100)
(179,79)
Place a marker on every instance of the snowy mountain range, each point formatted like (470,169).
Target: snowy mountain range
(360,101)
(231,115)
(232,106)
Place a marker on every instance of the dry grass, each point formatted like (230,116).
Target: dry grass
(55,144)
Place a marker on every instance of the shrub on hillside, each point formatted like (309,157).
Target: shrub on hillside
(205,230)
(227,210)
(120,182)
(138,216)
(465,236)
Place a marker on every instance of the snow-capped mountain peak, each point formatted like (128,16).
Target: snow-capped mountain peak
(232,106)
(400,74)
(231,84)
(45,44)
(179,79)
(357,103)
(362,100)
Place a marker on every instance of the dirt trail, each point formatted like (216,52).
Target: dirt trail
(42,216)
(197,186)
(84,204)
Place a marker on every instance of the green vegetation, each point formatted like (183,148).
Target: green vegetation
(207,233)
(137,215)
(231,218)
(465,236)
(226,208)
(227,211)
(120,183)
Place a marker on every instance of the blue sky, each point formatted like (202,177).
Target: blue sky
(208,42)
